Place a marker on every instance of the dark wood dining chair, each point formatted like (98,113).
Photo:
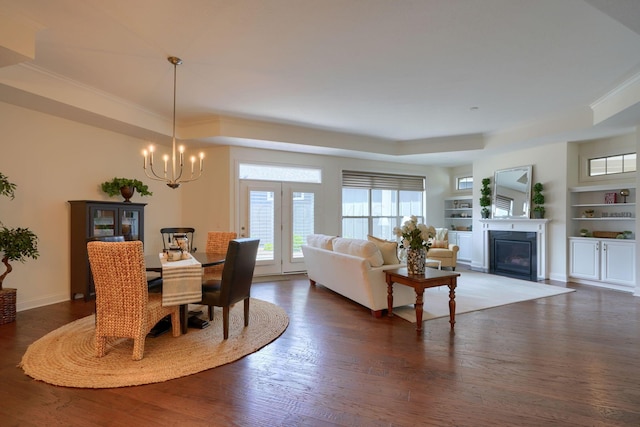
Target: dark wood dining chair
(235,284)
(169,232)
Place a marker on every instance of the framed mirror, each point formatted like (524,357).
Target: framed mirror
(512,192)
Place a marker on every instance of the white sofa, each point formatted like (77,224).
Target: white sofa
(355,268)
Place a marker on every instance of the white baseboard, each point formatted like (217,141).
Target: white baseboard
(39,302)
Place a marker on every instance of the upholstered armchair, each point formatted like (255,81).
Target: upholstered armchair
(442,250)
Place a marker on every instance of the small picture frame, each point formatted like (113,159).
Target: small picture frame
(610,198)
(464,205)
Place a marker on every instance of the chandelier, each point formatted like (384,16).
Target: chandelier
(175,179)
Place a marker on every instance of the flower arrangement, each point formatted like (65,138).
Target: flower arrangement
(414,235)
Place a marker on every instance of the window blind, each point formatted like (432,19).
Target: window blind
(504,203)
(382,181)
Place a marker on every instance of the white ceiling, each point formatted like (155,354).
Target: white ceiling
(422,81)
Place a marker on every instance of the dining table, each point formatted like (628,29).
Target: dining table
(153,263)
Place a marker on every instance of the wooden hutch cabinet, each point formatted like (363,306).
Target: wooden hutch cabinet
(97,219)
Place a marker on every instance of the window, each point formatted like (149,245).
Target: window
(504,206)
(464,183)
(374,203)
(279,173)
(621,163)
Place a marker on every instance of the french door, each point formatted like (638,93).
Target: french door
(281,215)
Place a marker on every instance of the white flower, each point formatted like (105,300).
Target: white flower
(414,235)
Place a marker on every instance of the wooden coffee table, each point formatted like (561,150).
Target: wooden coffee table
(419,282)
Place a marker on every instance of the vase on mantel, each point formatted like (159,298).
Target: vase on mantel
(416,261)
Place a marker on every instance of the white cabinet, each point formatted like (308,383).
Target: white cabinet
(464,240)
(584,258)
(458,213)
(618,262)
(609,261)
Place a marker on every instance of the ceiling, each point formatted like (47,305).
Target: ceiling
(415,81)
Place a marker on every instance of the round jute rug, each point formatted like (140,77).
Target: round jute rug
(65,357)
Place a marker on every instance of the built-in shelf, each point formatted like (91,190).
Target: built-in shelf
(458,213)
(608,205)
(603,260)
(590,212)
(604,219)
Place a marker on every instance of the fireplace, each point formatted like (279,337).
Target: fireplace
(513,254)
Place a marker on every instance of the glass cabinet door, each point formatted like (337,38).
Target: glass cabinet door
(103,222)
(130,223)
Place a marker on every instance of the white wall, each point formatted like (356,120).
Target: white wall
(52,160)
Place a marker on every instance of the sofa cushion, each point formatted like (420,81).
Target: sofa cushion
(388,249)
(360,248)
(321,241)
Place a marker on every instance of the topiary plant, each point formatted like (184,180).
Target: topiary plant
(538,200)
(485,198)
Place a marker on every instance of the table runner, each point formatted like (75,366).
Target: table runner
(181,281)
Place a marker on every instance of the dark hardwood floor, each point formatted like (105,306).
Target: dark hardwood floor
(568,360)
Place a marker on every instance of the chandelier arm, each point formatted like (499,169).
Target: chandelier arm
(192,177)
(155,176)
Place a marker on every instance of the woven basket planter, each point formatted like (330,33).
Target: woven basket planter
(7,305)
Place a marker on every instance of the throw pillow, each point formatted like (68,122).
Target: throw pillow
(441,234)
(359,248)
(321,241)
(388,249)
(440,244)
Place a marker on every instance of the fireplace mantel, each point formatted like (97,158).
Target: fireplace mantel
(539,226)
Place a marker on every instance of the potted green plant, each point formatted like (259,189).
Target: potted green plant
(624,235)
(125,187)
(485,198)
(538,200)
(584,232)
(16,244)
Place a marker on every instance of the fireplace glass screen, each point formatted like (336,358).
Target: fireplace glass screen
(513,254)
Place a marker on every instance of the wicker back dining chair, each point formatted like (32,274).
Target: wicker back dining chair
(235,285)
(124,307)
(217,241)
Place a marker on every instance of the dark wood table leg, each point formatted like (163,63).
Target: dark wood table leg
(452,303)
(389,298)
(184,320)
(419,305)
